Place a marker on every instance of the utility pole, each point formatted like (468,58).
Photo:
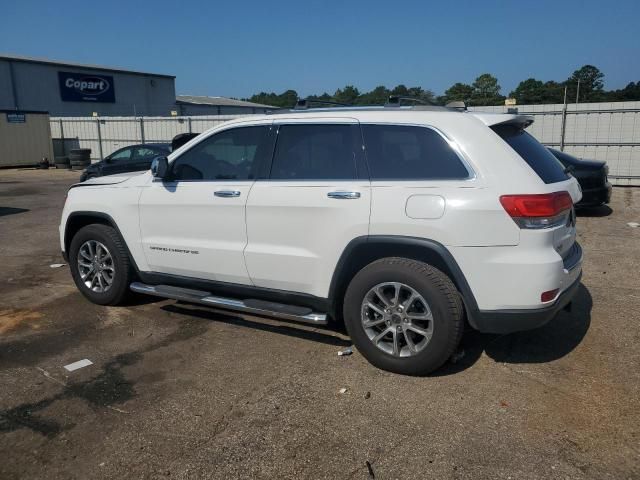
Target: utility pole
(578,92)
(564,120)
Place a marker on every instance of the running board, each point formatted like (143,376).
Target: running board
(258,307)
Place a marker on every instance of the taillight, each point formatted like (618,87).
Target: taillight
(550,295)
(545,210)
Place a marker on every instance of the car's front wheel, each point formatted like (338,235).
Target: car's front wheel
(403,315)
(100,265)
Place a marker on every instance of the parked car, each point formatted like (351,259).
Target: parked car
(401,222)
(181,139)
(592,177)
(128,159)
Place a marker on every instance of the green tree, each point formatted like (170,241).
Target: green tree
(286,99)
(325,97)
(553,92)
(458,92)
(591,84)
(629,93)
(529,91)
(377,96)
(348,95)
(486,90)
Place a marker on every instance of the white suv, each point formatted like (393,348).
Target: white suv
(402,222)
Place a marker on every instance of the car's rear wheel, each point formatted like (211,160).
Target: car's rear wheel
(100,265)
(403,315)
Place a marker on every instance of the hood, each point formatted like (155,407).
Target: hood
(109,179)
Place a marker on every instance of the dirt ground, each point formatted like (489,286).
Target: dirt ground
(177,391)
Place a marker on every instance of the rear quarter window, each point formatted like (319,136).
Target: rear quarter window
(541,160)
(405,152)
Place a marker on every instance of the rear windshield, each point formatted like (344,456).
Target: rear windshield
(548,168)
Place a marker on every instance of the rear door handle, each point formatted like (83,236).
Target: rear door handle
(344,195)
(227,193)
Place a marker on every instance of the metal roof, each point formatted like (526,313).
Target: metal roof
(46,61)
(219,101)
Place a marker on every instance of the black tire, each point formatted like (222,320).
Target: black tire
(123,274)
(439,292)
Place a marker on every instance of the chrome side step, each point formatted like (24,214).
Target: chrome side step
(258,307)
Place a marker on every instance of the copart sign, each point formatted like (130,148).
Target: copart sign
(82,87)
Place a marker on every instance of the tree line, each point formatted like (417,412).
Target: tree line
(587,83)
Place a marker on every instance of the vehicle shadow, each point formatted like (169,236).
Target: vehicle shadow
(601,211)
(295,330)
(553,341)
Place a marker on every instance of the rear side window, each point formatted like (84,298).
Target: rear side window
(315,152)
(402,152)
(541,160)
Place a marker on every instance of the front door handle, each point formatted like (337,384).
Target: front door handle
(344,195)
(227,193)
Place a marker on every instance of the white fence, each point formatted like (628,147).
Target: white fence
(104,135)
(601,131)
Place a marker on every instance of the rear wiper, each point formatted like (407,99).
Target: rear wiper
(569,169)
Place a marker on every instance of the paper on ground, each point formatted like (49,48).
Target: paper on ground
(79,364)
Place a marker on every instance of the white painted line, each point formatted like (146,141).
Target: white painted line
(57,265)
(79,364)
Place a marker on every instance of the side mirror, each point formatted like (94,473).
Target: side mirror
(159,167)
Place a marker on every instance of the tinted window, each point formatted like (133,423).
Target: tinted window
(316,152)
(397,152)
(541,160)
(229,155)
(146,153)
(124,154)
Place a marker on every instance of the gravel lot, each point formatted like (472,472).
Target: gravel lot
(179,391)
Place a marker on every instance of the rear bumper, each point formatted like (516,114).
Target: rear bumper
(515,320)
(508,321)
(595,196)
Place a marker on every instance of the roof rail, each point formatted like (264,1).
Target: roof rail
(303,103)
(395,100)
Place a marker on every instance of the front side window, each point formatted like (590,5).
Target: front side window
(146,153)
(316,152)
(405,152)
(121,155)
(229,155)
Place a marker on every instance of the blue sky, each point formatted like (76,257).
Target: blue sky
(236,48)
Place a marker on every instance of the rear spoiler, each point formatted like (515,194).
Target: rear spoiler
(494,119)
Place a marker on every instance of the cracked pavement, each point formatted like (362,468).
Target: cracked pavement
(180,391)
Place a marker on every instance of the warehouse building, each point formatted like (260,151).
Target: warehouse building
(198,105)
(73,89)
(67,89)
